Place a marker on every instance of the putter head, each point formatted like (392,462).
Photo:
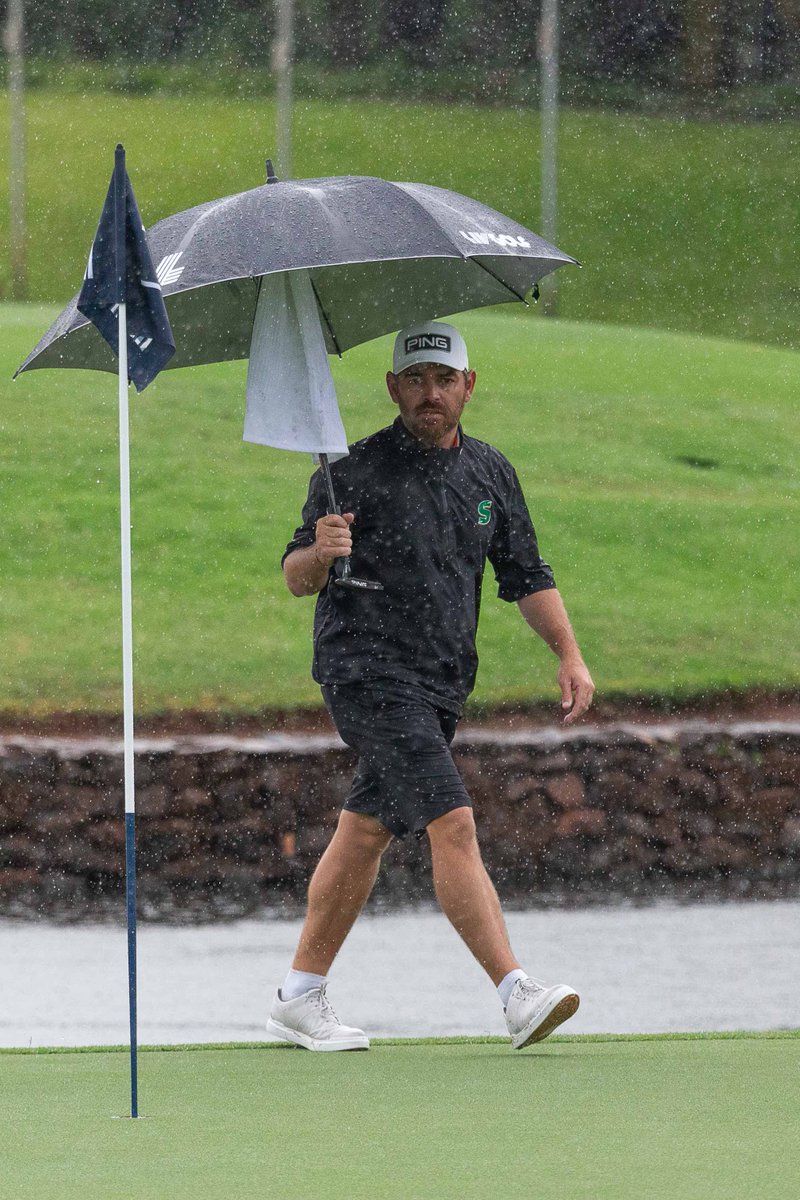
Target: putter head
(358,585)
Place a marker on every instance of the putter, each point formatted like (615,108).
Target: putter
(343,576)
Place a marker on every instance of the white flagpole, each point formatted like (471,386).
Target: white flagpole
(120,254)
(127,688)
(125,545)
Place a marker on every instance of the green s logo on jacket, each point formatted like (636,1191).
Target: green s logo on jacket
(484,512)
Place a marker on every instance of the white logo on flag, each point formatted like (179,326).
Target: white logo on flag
(166,271)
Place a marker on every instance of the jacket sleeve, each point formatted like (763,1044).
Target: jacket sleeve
(514,551)
(314,508)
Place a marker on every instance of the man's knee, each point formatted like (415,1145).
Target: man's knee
(362,835)
(454,831)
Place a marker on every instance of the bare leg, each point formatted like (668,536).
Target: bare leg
(339,889)
(466,893)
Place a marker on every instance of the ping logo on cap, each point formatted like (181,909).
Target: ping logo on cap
(427,341)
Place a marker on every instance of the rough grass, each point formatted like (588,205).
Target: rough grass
(623,1118)
(680,224)
(661,471)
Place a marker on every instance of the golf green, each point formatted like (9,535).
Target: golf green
(601,1118)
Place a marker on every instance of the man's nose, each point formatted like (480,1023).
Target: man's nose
(430,388)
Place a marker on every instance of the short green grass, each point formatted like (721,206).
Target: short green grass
(680,578)
(616,1119)
(680,224)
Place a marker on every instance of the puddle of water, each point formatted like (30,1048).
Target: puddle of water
(661,968)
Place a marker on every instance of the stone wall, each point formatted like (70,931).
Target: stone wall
(226,825)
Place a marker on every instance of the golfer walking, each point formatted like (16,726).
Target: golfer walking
(424,506)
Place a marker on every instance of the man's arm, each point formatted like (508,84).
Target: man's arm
(306,569)
(545,613)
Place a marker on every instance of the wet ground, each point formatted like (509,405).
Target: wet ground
(659,968)
(755,704)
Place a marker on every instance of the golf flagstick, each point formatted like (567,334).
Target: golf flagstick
(127,689)
(127,611)
(121,296)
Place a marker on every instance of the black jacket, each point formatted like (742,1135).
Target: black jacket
(426,520)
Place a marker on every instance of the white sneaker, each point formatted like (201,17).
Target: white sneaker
(309,1021)
(533,1010)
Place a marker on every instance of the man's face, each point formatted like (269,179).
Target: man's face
(431,398)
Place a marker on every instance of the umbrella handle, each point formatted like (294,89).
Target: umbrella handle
(342,565)
(344,575)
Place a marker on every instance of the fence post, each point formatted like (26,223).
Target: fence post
(548,105)
(14,45)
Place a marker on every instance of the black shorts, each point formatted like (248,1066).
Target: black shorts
(405,776)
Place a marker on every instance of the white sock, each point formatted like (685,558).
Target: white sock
(298,982)
(506,985)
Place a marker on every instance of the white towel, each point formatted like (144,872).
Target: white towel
(291,400)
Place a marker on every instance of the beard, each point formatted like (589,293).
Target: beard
(431,423)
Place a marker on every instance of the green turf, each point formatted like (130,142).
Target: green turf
(475,1040)
(602,1120)
(680,224)
(680,577)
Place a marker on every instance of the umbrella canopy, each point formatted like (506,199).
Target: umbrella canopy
(291,397)
(379,255)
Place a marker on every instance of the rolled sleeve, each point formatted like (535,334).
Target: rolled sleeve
(314,508)
(519,568)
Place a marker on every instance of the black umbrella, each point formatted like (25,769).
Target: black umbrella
(380,256)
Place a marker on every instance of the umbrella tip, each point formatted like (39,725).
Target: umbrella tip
(271,176)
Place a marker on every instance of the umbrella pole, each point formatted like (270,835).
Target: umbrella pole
(344,570)
(344,576)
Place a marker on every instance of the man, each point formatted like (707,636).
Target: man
(424,506)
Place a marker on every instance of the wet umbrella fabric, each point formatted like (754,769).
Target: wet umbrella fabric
(379,256)
(291,398)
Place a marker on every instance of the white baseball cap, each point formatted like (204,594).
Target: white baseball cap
(430,342)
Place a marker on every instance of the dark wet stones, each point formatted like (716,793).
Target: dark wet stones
(229,825)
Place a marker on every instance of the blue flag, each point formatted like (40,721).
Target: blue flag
(121,269)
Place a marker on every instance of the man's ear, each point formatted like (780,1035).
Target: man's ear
(391,383)
(470,384)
